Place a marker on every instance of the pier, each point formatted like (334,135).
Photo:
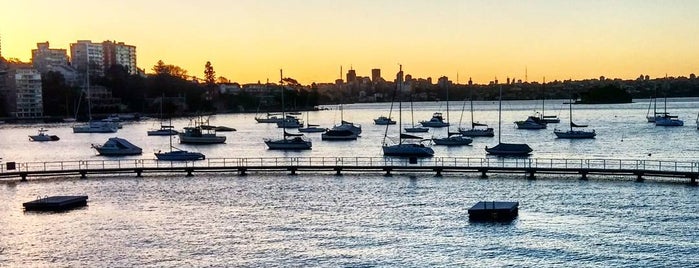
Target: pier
(639,170)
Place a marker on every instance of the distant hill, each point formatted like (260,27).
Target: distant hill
(604,95)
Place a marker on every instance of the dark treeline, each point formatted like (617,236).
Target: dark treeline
(184,95)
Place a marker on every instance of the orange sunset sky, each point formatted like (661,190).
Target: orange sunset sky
(247,41)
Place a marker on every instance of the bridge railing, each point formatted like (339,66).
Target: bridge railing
(364,162)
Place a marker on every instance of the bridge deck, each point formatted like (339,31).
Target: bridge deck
(530,166)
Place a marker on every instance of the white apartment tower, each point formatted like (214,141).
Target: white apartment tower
(24,94)
(84,53)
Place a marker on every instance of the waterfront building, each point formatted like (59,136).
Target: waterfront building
(45,59)
(351,76)
(22,91)
(118,53)
(84,53)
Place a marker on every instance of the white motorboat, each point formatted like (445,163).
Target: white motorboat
(532,122)
(437,120)
(117,147)
(42,136)
(96,127)
(198,135)
(384,120)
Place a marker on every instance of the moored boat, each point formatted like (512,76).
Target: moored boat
(42,136)
(117,147)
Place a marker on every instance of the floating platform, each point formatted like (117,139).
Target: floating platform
(56,203)
(493,211)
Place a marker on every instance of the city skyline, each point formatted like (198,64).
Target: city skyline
(248,41)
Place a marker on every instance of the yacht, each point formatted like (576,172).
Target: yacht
(117,147)
(452,138)
(416,129)
(288,141)
(383,120)
(339,135)
(295,142)
(290,122)
(311,128)
(404,148)
(532,122)
(484,130)
(176,154)
(270,118)
(164,130)
(436,121)
(574,133)
(199,135)
(42,136)
(507,149)
(667,120)
(96,127)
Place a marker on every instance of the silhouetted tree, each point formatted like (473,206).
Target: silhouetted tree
(209,74)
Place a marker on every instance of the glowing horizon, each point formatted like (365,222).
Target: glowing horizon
(247,40)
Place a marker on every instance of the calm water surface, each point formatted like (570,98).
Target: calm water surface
(365,220)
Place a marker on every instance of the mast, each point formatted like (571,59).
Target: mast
(400,104)
(543,98)
(500,117)
(281,83)
(470,90)
(87,73)
(570,111)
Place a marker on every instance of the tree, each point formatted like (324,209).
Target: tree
(209,74)
(222,80)
(168,69)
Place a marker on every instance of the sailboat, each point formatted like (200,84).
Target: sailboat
(452,138)
(343,132)
(165,130)
(548,119)
(346,125)
(404,148)
(413,128)
(310,128)
(484,131)
(94,126)
(176,154)
(296,142)
(573,133)
(507,149)
(667,120)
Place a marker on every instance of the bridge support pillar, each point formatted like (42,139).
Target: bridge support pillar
(83,174)
(138,172)
(439,172)
(531,175)
(338,171)
(484,174)
(241,171)
(693,180)
(639,177)
(189,172)
(23,176)
(293,171)
(388,172)
(583,176)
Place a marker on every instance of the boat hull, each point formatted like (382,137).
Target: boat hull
(289,144)
(162,132)
(575,134)
(509,149)
(408,150)
(180,156)
(44,138)
(489,132)
(312,130)
(416,129)
(452,141)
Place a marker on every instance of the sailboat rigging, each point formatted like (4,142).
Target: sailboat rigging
(403,148)
(452,138)
(573,133)
(297,141)
(507,149)
(474,131)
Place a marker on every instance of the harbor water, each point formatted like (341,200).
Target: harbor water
(361,220)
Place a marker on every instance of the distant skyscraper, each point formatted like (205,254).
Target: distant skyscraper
(119,54)
(45,59)
(351,76)
(375,75)
(84,53)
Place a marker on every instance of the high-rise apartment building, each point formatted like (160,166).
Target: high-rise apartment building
(86,55)
(22,92)
(351,76)
(375,75)
(45,59)
(119,54)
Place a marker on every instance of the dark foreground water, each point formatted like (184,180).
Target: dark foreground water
(265,220)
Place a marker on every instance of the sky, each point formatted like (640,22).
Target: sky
(250,40)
